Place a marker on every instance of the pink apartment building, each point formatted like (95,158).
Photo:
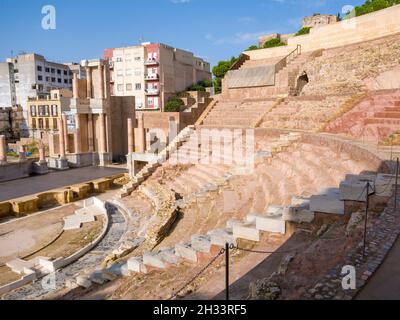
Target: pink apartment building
(153,72)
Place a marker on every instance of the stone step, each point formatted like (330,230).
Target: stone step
(246,231)
(201,243)
(387,115)
(392,109)
(186,252)
(390,121)
(136,264)
(220,237)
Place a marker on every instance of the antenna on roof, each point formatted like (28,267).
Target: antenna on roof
(12,54)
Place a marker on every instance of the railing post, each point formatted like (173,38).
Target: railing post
(396,188)
(366,221)
(227,271)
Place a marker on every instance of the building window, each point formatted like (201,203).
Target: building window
(48,79)
(41,111)
(47,124)
(137,59)
(58,71)
(138,72)
(46,111)
(33,111)
(53,79)
(53,70)
(65,72)
(70,81)
(120,87)
(55,124)
(65,81)
(119,59)
(54,111)
(129,87)
(47,69)
(59,80)
(120,73)
(40,123)
(128,72)
(128,58)
(33,123)
(40,78)
(39,68)
(138,86)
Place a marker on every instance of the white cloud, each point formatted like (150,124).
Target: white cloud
(247,20)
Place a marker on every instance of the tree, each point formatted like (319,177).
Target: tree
(219,72)
(275,42)
(252,48)
(302,31)
(174,104)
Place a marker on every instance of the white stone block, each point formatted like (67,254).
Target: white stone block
(275,210)
(271,224)
(384,184)
(201,243)
(185,251)
(298,215)
(246,232)
(136,264)
(18,265)
(169,255)
(221,237)
(72,223)
(233,222)
(328,203)
(152,259)
(301,202)
(83,281)
(355,191)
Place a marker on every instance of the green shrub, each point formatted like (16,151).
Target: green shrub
(219,72)
(303,31)
(252,48)
(275,42)
(174,104)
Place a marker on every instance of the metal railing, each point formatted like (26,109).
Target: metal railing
(286,60)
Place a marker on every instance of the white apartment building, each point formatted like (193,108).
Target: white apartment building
(32,76)
(153,72)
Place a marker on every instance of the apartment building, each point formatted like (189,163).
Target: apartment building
(32,76)
(153,72)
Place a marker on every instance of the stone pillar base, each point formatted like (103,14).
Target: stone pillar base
(58,164)
(104,159)
(79,160)
(40,168)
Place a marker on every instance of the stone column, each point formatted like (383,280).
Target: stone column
(77,138)
(89,82)
(173,129)
(131,137)
(75,90)
(101,76)
(42,156)
(22,155)
(3,150)
(61,138)
(142,134)
(106,83)
(102,138)
(51,145)
(90,133)
(65,130)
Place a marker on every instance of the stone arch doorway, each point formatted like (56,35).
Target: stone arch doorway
(302,81)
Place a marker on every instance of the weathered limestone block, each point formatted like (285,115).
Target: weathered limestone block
(83,281)
(136,264)
(275,210)
(25,205)
(153,259)
(185,251)
(327,203)
(384,184)
(221,237)
(19,265)
(201,243)
(102,185)
(72,223)
(298,215)
(169,255)
(246,232)
(355,191)
(233,222)
(271,224)
(301,202)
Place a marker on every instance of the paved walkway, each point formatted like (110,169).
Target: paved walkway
(57,179)
(385,283)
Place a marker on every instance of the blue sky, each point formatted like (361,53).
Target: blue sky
(212,29)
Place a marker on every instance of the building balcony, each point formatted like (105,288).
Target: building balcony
(153,76)
(152,92)
(151,62)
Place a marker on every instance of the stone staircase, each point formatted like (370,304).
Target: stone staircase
(375,118)
(163,156)
(236,113)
